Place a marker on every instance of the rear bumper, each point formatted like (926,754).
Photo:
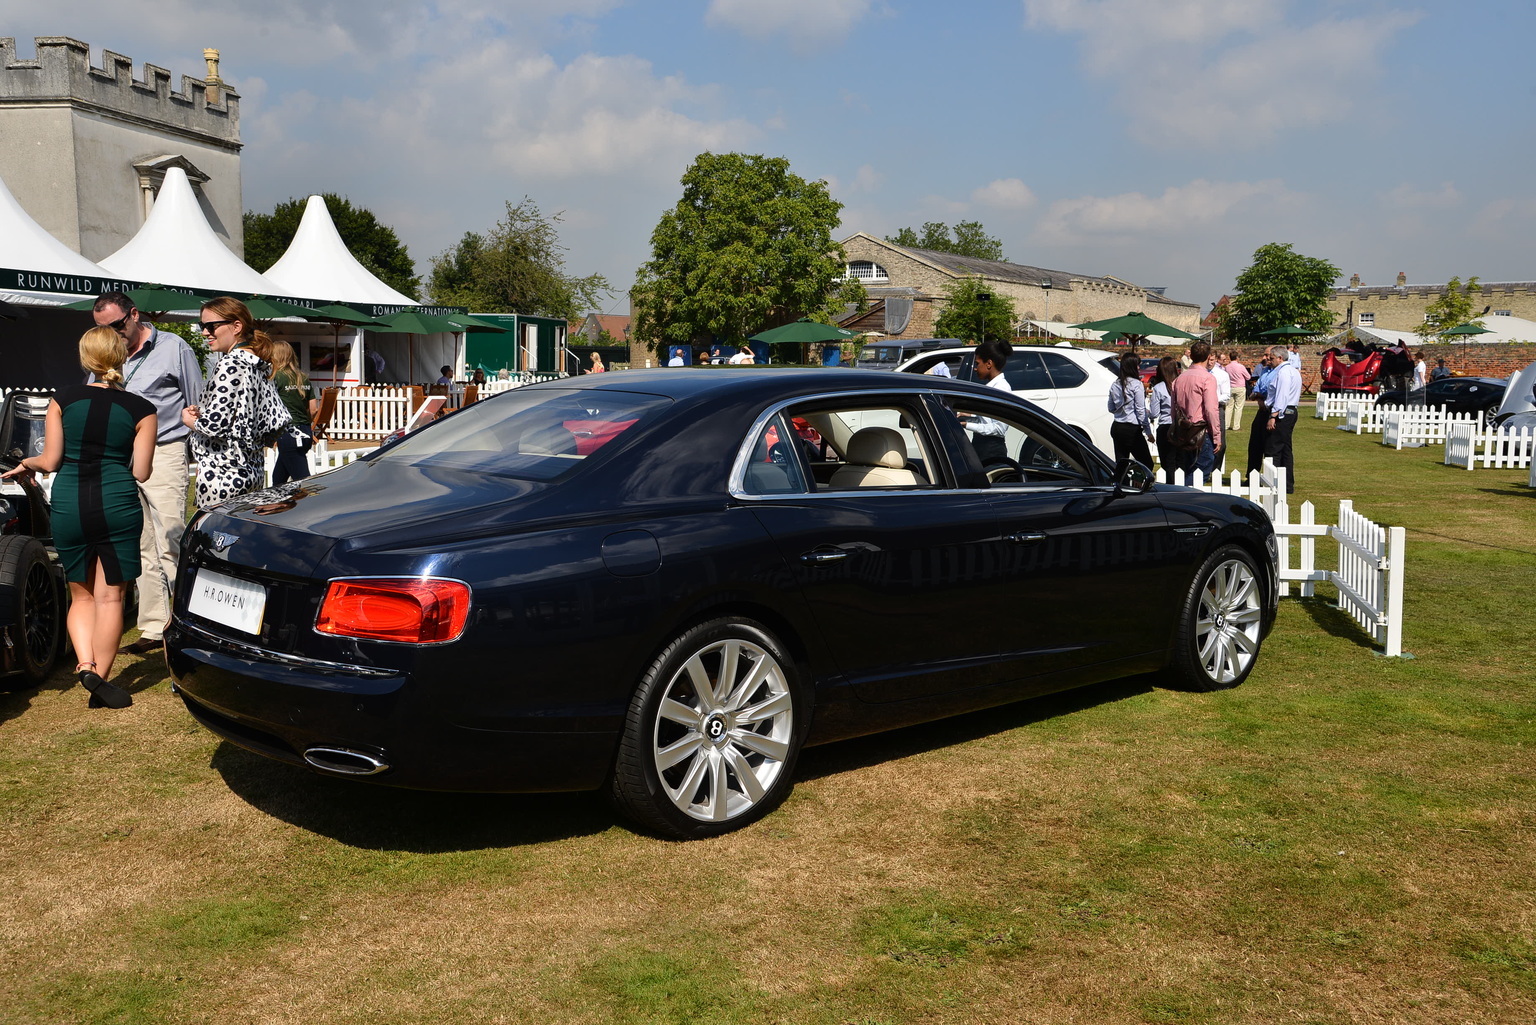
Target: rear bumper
(284,707)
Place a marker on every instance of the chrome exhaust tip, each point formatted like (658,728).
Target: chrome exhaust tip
(345,761)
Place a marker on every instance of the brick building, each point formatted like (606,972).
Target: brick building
(907,290)
(1400,307)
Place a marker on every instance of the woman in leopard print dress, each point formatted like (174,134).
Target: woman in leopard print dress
(224,431)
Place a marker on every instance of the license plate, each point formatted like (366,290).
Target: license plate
(225,600)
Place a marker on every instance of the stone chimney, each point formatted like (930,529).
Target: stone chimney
(1402,279)
(214,81)
(1354,281)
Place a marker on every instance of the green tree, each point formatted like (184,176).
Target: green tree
(970,239)
(975,311)
(516,267)
(1452,309)
(1281,287)
(748,245)
(375,245)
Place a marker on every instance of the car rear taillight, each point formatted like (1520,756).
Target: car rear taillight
(412,610)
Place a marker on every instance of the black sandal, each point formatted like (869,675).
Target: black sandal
(103,694)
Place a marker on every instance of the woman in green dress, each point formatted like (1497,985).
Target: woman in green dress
(101,440)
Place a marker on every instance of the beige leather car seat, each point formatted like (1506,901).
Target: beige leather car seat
(877,458)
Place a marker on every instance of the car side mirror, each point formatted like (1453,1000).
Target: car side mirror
(1132,477)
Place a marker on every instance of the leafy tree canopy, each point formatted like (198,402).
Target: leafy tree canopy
(970,239)
(975,311)
(375,245)
(1452,309)
(1280,287)
(516,267)
(748,245)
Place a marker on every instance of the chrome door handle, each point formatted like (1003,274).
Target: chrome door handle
(1025,537)
(824,556)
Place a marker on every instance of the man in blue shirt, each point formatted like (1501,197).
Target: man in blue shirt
(1263,371)
(1282,397)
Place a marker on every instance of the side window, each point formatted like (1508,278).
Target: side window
(877,446)
(775,464)
(1026,372)
(1014,451)
(1064,373)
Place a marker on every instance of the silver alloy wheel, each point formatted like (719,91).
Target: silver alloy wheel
(722,730)
(1227,623)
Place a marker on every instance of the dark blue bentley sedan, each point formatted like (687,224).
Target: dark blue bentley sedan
(665,583)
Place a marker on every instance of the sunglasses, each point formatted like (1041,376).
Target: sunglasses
(120,323)
(208,327)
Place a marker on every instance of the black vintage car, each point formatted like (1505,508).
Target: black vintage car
(664,583)
(33,596)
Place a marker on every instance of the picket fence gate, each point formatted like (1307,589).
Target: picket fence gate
(369,412)
(1369,573)
(1471,445)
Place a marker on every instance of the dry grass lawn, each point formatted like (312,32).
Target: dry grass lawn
(1344,839)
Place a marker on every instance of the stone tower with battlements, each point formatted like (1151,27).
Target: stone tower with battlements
(84,149)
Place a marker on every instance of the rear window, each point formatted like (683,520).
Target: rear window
(533,433)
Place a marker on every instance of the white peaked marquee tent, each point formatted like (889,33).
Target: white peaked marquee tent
(177,247)
(42,261)
(318,263)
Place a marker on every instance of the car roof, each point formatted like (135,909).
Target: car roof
(749,383)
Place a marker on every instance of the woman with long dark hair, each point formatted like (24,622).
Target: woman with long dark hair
(101,440)
(1128,403)
(227,425)
(1160,410)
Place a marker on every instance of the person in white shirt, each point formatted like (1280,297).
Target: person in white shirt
(1131,429)
(987,435)
(1416,393)
(744,356)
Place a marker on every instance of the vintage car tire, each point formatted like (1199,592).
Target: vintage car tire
(693,765)
(31,605)
(1220,624)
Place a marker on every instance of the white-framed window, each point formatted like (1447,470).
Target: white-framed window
(1367,320)
(1502,313)
(866,270)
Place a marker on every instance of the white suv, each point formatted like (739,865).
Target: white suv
(1068,382)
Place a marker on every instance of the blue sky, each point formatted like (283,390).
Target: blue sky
(1161,142)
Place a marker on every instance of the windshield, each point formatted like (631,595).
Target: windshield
(534,433)
(880,354)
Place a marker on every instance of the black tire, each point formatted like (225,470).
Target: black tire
(1220,623)
(31,606)
(695,765)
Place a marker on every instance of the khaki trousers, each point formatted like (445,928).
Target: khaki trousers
(164,498)
(1235,410)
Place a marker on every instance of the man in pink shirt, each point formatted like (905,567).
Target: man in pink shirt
(1194,399)
(1238,375)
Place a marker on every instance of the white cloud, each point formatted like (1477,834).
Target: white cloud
(1229,72)
(1178,210)
(1406,197)
(807,24)
(1004,194)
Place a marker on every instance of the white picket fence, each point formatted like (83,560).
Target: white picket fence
(1336,403)
(519,378)
(1472,445)
(1417,426)
(369,412)
(1369,571)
